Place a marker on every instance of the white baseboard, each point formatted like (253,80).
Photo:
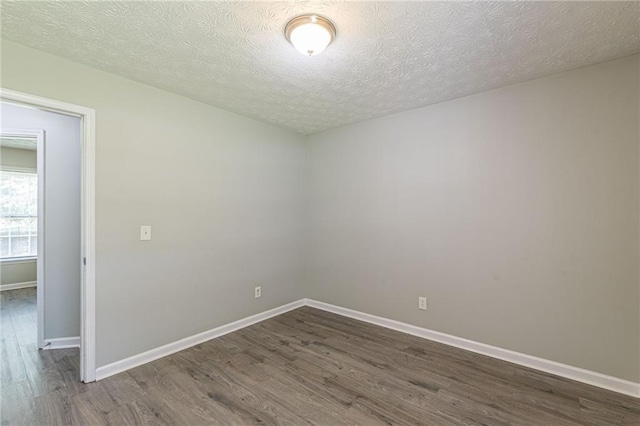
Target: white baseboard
(16,286)
(563,370)
(187,342)
(62,343)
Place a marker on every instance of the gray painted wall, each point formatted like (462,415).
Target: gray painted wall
(18,272)
(23,158)
(22,271)
(514,211)
(222,192)
(62,214)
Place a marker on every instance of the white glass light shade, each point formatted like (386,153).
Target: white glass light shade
(310,34)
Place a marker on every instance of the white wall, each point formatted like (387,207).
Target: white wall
(62,214)
(22,271)
(514,211)
(222,192)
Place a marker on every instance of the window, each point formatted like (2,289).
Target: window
(18,214)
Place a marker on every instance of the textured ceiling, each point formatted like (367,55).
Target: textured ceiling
(388,56)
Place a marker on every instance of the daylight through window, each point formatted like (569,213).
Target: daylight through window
(19,214)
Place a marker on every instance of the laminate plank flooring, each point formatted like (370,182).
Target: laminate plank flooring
(304,367)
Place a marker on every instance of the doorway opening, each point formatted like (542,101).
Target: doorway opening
(61,242)
(21,236)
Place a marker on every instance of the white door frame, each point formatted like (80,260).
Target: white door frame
(88,251)
(38,135)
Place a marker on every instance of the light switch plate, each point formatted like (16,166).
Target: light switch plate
(145,233)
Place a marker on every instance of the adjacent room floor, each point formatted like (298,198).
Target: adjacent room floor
(29,375)
(306,366)
(18,315)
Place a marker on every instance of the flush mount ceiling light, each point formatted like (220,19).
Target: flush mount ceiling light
(310,34)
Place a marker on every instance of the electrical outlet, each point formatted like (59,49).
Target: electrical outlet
(422,303)
(257,292)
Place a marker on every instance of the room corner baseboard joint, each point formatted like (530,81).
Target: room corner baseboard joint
(563,370)
(187,342)
(589,377)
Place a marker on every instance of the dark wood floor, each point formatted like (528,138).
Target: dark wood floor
(303,367)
